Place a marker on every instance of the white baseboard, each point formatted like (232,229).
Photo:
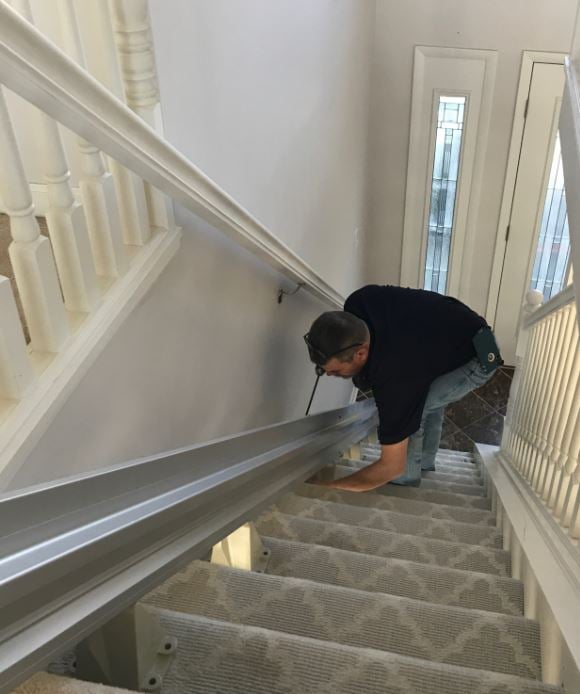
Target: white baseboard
(28,419)
(552,555)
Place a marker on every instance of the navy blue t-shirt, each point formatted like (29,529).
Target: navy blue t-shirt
(416,336)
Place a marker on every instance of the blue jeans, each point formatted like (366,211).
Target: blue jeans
(424,443)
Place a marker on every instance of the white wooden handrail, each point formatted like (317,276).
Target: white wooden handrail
(38,71)
(561,299)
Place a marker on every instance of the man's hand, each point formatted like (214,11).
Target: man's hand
(390,466)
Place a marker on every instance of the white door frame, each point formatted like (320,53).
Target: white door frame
(453,71)
(528,60)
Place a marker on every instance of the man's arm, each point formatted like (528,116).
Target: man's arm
(390,466)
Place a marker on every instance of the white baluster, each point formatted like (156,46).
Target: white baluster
(137,59)
(533,300)
(65,217)
(133,206)
(96,183)
(537,397)
(523,375)
(525,354)
(574,523)
(561,400)
(572,467)
(528,394)
(30,253)
(102,62)
(544,409)
(539,400)
(520,387)
(530,373)
(16,374)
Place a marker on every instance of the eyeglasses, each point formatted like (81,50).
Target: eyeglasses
(319,357)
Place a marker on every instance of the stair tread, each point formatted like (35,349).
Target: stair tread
(393,521)
(456,487)
(435,584)
(448,471)
(216,657)
(385,544)
(452,635)
(442,454)
(443,476)
(464,466)
(393,503)
(436,496)
(452,487)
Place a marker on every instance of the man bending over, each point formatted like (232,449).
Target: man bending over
(418,351)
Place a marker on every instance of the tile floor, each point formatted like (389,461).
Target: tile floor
(479,416)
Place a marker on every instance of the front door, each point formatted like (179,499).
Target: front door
(537,249)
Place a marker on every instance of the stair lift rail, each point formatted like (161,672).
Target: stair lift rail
(76,552)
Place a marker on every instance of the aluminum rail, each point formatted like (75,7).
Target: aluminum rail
(77,551)
(38,71)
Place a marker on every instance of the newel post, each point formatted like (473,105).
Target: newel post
(533,300)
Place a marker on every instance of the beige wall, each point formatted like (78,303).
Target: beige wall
(508,27)
(270,99)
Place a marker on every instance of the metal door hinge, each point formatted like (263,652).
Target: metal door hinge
(526,107)
(507,233)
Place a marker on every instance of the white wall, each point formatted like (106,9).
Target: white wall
(508,27)
(270,99)
(273,105)
(208,352)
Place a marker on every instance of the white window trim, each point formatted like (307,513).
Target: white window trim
(528,60)
(421,142)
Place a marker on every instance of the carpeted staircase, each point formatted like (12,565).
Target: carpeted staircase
(399,591)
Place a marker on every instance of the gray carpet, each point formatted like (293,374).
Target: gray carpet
(444,634)
(393,503)
(216,657)
(454,555)
(399,591)
(408,579)
(404,523)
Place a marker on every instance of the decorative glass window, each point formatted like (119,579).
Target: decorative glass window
(446,160)
(553,251)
